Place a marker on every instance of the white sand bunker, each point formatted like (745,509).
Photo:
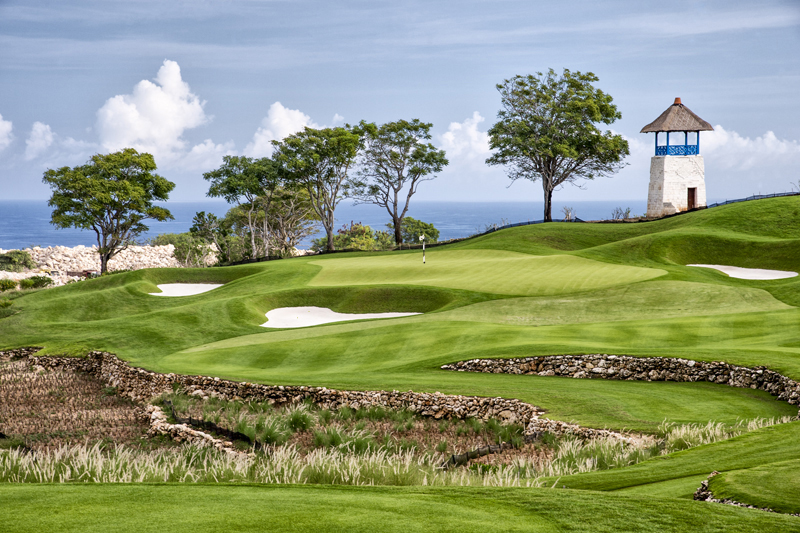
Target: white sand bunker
(750,273)
(184,289)
(300,317)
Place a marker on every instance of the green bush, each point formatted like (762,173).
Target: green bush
(16,261)
(411,229)
(190,249)
(35,282)
(7,285)
(356,237)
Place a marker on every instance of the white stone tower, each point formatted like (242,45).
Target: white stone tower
(677,172)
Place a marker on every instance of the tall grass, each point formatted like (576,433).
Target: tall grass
(188,464)
(681,437)
(340,461)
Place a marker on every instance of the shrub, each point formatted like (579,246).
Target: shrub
(35,282)
(356,237)
(7,285)
(16,261)
(190,249)
(620,214)
(411,229)
(5,308)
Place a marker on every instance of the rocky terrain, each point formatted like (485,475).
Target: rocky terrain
(58,261)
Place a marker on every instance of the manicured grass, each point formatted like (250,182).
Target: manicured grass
(775,485)
(654,300)
(497,272)
(230,508)
(536,290)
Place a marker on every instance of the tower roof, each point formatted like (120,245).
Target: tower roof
(677,117)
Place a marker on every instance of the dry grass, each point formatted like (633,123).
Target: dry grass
(44,408)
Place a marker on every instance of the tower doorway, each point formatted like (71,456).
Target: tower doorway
(692,200)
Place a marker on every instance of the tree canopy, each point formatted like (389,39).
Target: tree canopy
(546,131)
(394,161)
(319,161)
(246,182)
(111,195)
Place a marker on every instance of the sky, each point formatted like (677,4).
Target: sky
(192,81)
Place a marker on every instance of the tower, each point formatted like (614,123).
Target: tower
(677,171)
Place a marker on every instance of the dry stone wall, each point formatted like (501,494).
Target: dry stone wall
(143,385)
(625,367)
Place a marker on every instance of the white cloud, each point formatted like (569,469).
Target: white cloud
(153,117)
(463,140)
(40,139)
(280,122)
(206,155)
(730,150)
(5,133)
(468,177)
(736,166)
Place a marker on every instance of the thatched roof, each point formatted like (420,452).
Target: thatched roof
(677,117)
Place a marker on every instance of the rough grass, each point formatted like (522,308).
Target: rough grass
(42,408)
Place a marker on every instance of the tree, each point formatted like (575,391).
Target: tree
(112,194)
(546,131)
(411,229)
(319,162)
(213,230)
(248,183)
(291,218)
(395,157)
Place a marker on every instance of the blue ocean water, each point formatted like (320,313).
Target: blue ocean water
(25,223)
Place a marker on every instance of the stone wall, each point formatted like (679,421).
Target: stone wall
(143,385)
(64,259)
(670,179)
(640,369)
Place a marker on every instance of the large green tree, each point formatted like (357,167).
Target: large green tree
(111,195)
(394,161)
(319,160)
(249,184)
(547,131)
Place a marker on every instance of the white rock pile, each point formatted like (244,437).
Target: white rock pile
(63,259)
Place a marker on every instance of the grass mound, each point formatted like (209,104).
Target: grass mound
(776,486)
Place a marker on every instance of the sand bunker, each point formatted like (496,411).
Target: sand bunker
(184,289)
(750,273)
(300,317)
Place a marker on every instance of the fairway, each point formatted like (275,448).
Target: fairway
(496,272)
(546,289)
(202,508)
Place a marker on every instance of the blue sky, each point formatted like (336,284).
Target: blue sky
(193,81)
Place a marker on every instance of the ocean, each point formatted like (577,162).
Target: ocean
(26,223)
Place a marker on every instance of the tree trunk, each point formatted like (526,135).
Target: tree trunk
(548,205)
(104,258)
(398,237)
(329,231)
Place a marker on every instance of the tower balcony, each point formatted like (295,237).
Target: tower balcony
(678,149)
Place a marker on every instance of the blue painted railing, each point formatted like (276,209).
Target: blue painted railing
(680,149)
